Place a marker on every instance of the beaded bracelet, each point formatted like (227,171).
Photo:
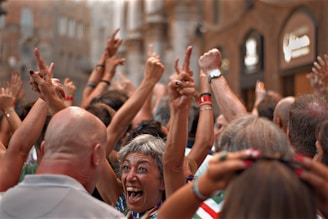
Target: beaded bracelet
(205,94)
(106,81)
(100,65)
(206,108)
(91,84)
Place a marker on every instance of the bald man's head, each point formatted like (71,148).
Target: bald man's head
(74,145)
(280,114)
(74,130)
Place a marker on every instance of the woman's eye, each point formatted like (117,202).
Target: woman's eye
(142,169)
(125,168)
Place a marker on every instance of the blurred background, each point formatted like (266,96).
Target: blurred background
(274,41)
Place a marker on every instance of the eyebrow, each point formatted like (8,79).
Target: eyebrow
(138,162)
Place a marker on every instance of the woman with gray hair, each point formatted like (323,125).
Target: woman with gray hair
(142,187)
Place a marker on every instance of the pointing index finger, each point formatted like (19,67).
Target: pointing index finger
(186,61)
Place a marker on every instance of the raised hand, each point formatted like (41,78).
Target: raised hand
(182,86)
(6,99)
(154,69)
(321,68)
(222,168)
(150,52)
(181,90)
(210,60)
(16,84)
(113,44)
(42,81)
(316,174)
(185,66)
(111,65)
(319,76)
(124,84)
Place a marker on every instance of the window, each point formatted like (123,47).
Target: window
(79,31)
(62,26)
(2,21)
(26,22)
(71,28)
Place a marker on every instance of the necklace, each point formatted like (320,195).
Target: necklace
(145,214)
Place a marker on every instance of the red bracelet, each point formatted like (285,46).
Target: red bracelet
(204,99)
(69,98)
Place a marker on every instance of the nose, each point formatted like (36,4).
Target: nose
(131,175)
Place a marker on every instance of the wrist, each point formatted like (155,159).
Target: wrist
(105,81)
(68,98)
(204,187)
(7,109)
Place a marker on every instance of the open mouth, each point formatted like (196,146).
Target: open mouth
(134,194)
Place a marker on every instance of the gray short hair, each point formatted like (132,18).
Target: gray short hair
(255,132)
(146,144)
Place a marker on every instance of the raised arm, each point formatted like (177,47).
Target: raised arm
(103,85)
(69,89)
(20,144)
(316,174)
(204,134)
(108,185)
(260,93)
(10,120)
(7,108)
(145,113)
(49,89)
(184,203)
(97,74)
(230,106)
(181,91)
(123,117)
(319,76)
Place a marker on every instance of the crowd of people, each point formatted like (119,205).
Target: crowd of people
(159,151)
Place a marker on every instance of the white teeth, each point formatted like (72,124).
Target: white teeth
(132,189)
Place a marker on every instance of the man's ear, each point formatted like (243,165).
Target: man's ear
(96,155)
(278,122)
(41,150)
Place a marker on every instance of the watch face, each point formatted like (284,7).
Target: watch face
(214,74)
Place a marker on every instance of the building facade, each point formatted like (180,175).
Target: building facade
(169,25)
(274,41)
(59,29)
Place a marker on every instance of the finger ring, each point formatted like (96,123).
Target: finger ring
(223,155)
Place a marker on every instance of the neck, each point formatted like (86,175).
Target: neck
(147,213)
(67,168)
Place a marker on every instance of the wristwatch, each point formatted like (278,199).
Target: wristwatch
(215,73)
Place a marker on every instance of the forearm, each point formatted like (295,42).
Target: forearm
(12,118)
(95,77)
(230,105)
(55,104)
(183,204)
(123,117)
(144,113)
(108,186)
(173,156)
(5,132)
(204,135)
(100,89)
(20,144)
(27,134)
